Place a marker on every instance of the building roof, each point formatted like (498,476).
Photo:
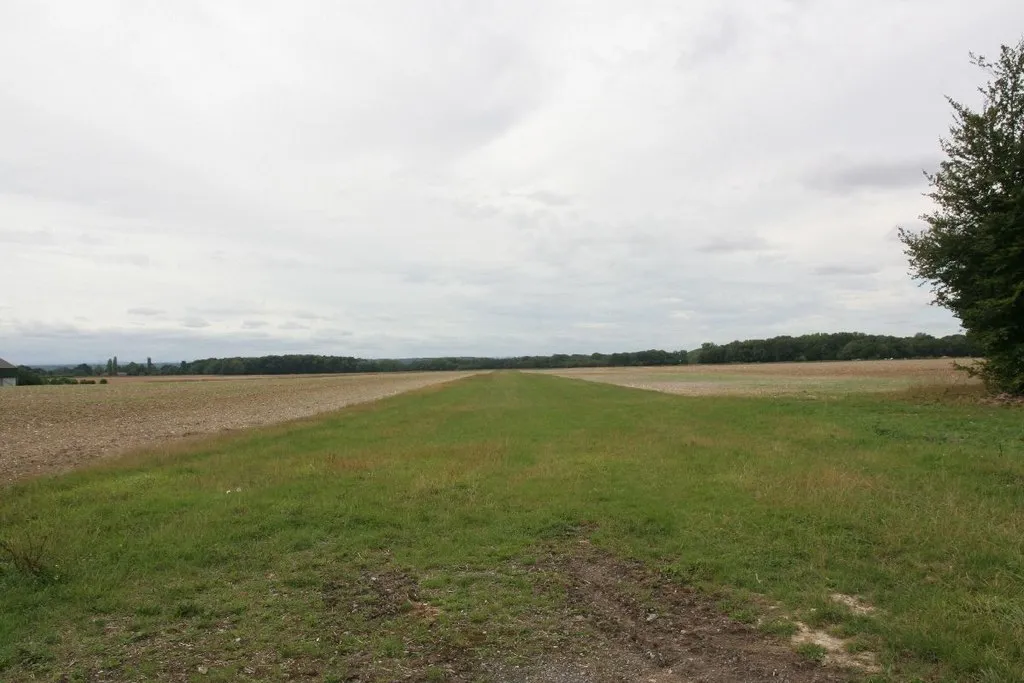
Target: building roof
(4,365)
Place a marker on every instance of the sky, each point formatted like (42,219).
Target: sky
(400,179)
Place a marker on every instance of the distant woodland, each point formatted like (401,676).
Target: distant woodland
(810,347)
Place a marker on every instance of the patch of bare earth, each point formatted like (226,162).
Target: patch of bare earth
(637,626)
(620,622)
(854,604)
(57,428)
(835,649)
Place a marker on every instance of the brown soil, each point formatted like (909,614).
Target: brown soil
(620,622)
(56,428)
(645,628)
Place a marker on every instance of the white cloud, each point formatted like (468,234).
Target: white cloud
(498,178)
(145,311)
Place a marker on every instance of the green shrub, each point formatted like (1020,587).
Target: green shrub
(28,377)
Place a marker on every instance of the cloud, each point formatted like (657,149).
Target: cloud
(501,178)
(596,326)
(732,245)
(26,237)
(122,176)
(841,269)
(90,240)
(846,176)
(715,39)
(330,336)
(137,260)
(49,344)
(548,198)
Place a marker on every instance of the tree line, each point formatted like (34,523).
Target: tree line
(836,346)
(810,347)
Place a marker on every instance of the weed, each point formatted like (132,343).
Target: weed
(28,555)
(32,656)
(187,610)
(779,627)
(812,651)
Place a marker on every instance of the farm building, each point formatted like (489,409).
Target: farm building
(8,374)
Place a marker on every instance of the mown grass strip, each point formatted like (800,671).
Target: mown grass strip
(272,537)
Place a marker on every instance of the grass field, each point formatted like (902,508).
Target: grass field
(515,526)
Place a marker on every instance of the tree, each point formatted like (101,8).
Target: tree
(29,376)
(972,252)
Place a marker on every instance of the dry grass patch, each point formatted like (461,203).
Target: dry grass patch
(818,484)
(771,379)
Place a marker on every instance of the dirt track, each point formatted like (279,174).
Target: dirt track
(56,428)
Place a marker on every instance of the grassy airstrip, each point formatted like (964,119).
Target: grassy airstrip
(395,538)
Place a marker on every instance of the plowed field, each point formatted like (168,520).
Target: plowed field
(56,428)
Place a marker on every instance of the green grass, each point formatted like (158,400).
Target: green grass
(337,531)
(815,653)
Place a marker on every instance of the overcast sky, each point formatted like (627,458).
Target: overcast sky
(185,179)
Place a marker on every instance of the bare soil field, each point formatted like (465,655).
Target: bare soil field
(56,428)
(214,378)
(769,379)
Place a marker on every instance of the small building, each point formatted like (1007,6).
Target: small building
(8,374)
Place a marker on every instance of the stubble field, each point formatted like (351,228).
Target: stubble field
(56,428)
(775,379)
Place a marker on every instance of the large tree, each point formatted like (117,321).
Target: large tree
(972,252)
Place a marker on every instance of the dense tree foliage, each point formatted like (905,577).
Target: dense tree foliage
(837,346)
(301,364)
(810,347)
(28,377)
(972,252)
